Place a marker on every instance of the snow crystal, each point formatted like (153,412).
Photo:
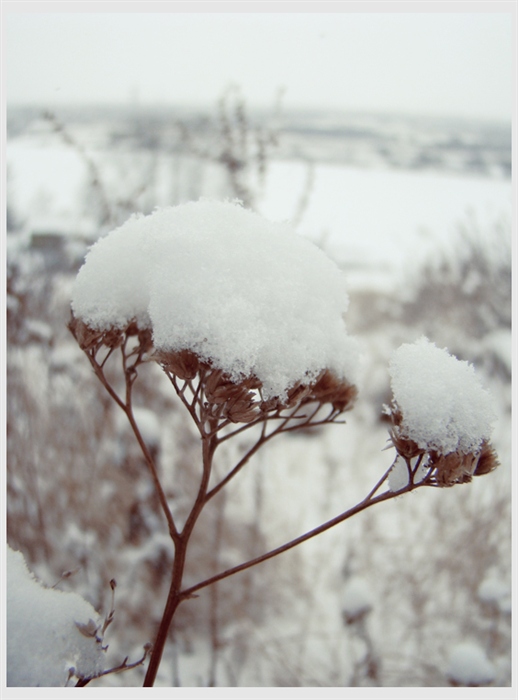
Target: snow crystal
(247,294)
(443,404)
(468,665)
(43,640)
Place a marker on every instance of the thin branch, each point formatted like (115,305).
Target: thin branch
(173,531)
(379,484)
(124,666)
(100,374)
(261,440)
(387,495)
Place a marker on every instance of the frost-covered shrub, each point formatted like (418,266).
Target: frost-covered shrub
(51,635)
(466,288)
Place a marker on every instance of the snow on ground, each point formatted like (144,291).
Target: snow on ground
(381,218)
(51,635)
(377,219)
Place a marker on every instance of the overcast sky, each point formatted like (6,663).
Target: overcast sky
(439,64)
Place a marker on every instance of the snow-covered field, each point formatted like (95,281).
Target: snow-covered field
(364,217)
(422,557)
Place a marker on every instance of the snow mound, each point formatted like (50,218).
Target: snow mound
(469,666)
(494,591)
(443,404)
(357,599)
(43,640)
(248,295)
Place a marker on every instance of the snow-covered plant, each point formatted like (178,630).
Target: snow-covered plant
(53,638)
(246,320)
(442,418)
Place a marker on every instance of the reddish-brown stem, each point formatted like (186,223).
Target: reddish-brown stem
(128,410)
(173,601)
(367,503)
(154,475)
(260,442)
(175,596)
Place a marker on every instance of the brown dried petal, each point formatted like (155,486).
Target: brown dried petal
(220,389)
(297,394)
(344,397)
(242,412)
(329,389)
(212,382)
(453,468)
(487,461)
(252,383)
(145,338)
(112,338)
(86,337)
(404,446)
(183,363)
(325,386)
(269,405)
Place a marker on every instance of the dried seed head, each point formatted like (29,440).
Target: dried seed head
(406,447)
(453,468)
(270,405)
(487,460)
(242,411)
(86,337)
(113,338)
(297,394)
(183,363)
(448,469)
(329,389)
(145,338)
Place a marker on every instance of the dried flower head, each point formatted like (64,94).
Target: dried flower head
(444,469)
(221,284)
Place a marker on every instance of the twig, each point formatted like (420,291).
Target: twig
(366,503)
(124,666)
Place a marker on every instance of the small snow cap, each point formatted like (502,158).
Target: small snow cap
(440,408)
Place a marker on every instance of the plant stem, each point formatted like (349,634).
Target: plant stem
(173,601)
(176,596)
(366,503)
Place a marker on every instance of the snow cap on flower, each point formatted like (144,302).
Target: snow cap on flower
(219,284)
(441,404)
